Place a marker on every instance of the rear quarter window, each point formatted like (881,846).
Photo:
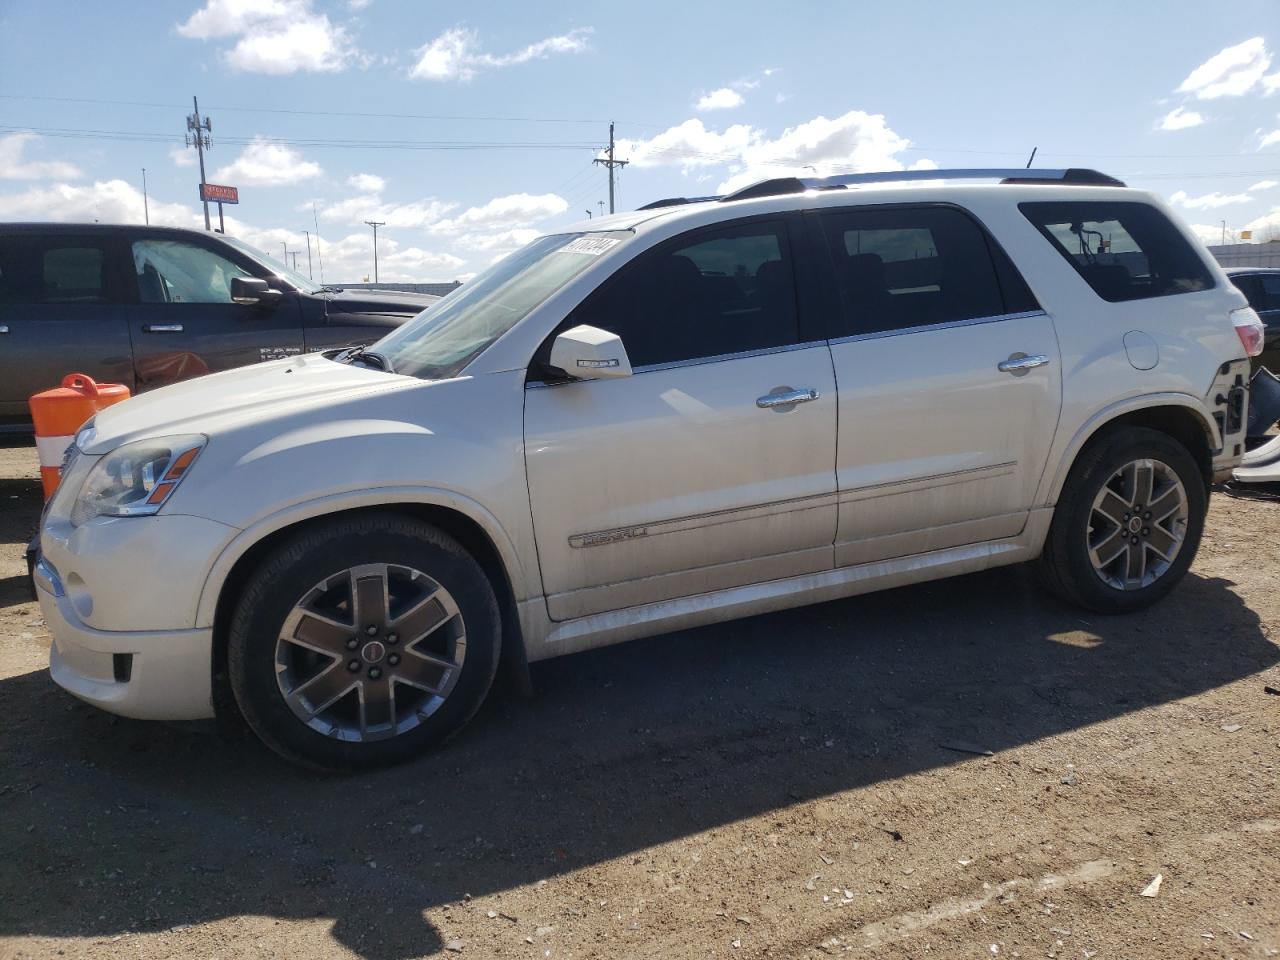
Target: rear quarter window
(1124,250)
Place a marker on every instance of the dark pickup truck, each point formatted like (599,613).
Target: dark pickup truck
(147,306)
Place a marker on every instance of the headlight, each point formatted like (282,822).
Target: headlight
(136,479)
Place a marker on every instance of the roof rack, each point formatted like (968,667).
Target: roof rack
(1077,176)
(675,202)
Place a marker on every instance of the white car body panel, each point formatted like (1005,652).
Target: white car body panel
(917,475)
(713,492)
(919,460)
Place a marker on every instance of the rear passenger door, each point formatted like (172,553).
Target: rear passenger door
(62,311)
(185,324)
(948,378)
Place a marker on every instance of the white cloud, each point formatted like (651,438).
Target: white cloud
(1231,72)
(106,201)
(13,165)
(275,36)
(371,206)
(182,156)
(517,209)
(456,54)
(1209,201)
(689,144)
(1266,227)
(1179,118)
(1265,184)
(367,182)
(502,243)
(726,98)
(855,141)
(267,164)
(1268,139)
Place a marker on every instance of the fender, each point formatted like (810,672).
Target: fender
(239,545)
(1052,481)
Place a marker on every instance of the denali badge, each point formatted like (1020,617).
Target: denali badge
(607,536)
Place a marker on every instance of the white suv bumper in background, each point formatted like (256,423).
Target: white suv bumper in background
(150,675)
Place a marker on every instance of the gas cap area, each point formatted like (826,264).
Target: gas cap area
(1141,349)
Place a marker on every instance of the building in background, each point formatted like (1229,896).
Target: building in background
(1247,254)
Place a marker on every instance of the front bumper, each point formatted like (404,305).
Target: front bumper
(148,675)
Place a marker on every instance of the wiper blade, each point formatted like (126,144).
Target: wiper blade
(362,353)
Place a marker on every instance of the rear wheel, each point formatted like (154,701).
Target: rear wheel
(1128,522)
(363,642)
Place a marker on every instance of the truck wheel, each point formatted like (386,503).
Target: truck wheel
(1127,524)
(363,642)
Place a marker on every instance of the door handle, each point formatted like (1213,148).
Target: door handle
(4,328)
(1019,363)
(162,328)
(787,398)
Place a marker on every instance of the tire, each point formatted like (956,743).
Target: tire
(315,617)
(1081,535)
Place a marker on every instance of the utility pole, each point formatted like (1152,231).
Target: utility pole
(198,131)
(609,164)
(601,203)
(310,276)
(375,224)
(1224,233)
(146,212)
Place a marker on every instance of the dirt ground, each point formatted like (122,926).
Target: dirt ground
(794,785)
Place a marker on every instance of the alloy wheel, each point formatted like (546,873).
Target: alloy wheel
(1138,524)
(370,652)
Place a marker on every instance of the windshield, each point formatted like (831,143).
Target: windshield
(441,341)
(294,278)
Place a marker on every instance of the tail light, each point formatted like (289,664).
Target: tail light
(1249,329)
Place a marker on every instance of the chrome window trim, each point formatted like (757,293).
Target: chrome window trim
(697,361)
(949,325)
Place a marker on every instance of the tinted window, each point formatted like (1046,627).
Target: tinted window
(911,266)
(1124,251)
(171,271)
(1269,293)
(53,271)
(726,290)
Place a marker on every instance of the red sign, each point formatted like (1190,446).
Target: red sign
(216,192)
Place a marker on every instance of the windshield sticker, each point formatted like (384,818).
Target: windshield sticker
(592,246)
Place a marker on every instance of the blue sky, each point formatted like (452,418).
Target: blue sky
(706,96)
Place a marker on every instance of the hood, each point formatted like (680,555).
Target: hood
(391,302)
(223,401)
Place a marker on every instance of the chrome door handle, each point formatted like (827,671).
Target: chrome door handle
(162,328)
(787,398)
(1020,363)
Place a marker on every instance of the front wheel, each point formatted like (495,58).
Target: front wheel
(362,642)
(1127,524)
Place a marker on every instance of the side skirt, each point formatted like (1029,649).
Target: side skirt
(545,638)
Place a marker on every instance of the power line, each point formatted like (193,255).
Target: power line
(323,113)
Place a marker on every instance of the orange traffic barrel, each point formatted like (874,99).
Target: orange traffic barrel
(60,412)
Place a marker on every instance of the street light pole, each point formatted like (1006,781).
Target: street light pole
(375,224)
(309,274)
(146,211)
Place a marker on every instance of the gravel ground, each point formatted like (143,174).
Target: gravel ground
(794,785)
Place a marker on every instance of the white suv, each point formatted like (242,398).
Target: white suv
(693,412)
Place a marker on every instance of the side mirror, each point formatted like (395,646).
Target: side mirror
(251,291)
(589,353)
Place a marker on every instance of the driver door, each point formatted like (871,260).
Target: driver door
(685,477)
(184,323)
